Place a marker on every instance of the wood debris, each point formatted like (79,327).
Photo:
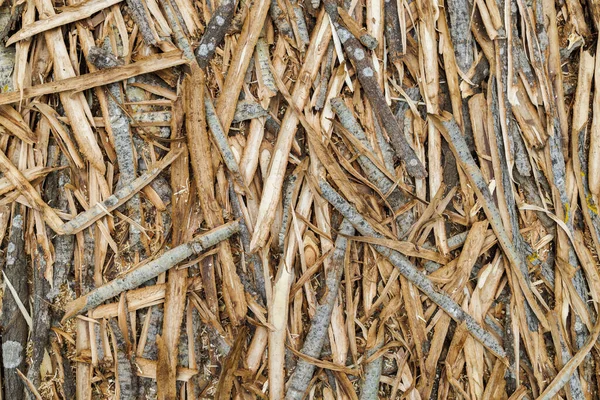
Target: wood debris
(283,199)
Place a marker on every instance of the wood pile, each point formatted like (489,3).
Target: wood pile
(318,199)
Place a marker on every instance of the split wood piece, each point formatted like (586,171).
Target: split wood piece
(80,83)
(410,272)
(75,105)
(274,180)
(94,213)
(280,299)
(315,338)
(136,299)
(200,147)
(479,304)
(594,151)
(31,174)
(236,73)
(15,125)
(24,187)
(215,32)
(435,181)
(147,369)
(176,287)
(69,15)
(368,80)
(152,269)
(61,133)
(428,54)
(578,133)
(451,132)
(319,150)
(188,16)
(267,89)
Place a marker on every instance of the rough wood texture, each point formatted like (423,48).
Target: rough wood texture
(334,199)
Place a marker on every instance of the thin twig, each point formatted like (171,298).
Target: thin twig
(150,270)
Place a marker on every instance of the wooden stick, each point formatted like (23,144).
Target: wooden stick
(179,31)
(150,270)
(14,337)
(368,80)
(393,33)
(315,338)
(299,25)
(220,139)
(455,139)
(72,14)
(594,152)
(279,18)
(121,131)
(369,388)
(31,174)
(570,367)
(141,15)
(226,103)
(215,32)
(361,34)
(410,272)
(125,366)
(270,199)
(104,77)
(374,173)
(199,144)
(252,259)
(176,287)
(75,105)
(94,213)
